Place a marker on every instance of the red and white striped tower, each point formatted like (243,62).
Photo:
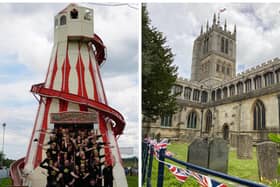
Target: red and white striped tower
(73,91)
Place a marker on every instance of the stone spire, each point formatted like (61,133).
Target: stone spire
(201,31)
(214,19)
(207,26)
(218,19)
(225,26)
(234,29)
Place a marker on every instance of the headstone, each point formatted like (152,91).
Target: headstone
(233,140)
(267,160)
(198,152)
(244,146)
(218,155)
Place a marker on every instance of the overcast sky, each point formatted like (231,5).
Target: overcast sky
(26,39)
(258,30)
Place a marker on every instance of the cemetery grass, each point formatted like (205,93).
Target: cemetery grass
(5,182)
(246,169)
(132,181)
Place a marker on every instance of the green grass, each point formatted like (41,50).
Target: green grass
(132,181)
(246,169)
(5,182)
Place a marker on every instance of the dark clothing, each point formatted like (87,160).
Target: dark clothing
(66,171)
(108,176)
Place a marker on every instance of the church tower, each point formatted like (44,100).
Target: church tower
(214,54)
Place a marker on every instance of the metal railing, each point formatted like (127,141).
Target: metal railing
(148,152)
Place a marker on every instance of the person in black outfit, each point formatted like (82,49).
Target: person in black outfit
(66,174)
(53,172)
(108,175)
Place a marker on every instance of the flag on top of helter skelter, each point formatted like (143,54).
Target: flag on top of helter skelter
(183,174)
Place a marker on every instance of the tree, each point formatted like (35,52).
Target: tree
(158,72)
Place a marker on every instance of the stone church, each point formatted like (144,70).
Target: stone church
(218,102)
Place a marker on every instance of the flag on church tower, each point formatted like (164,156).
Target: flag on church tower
(222,10)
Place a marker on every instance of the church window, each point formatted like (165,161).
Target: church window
(277,75)
(225,92)
(187,93)
(219,94)
(192,120)
(63,20)
(258,82)
(222,44)
(213,95)
(196,94)
(177,89)
(208,120)
(205,45)
(248,86)
(166,120)
(259,115)
(239,88)
(226,46)
(269,79)
(204,97)
(232,90)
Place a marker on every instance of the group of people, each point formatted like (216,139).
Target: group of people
(73,159)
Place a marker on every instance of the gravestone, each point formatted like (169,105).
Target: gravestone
(198,152)
(267,160)
(218,155)
(233,140)
(244,146)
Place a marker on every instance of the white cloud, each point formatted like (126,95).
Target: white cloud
(26,35)
(258,29)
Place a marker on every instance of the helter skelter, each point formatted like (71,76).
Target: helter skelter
(72,95)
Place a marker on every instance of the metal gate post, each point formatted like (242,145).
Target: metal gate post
(149,174)
(161,168)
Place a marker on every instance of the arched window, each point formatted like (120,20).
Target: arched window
(204,97)
(277,75)
(269,78)
(258,82)
(63,20)
(187,93)
(208,121)
(219,94)
(222,44)
(225,92)
(226,47)
(213,94)
(259,115)
(74,14)
(239,88)
(196,95)
(248,86)
(232,90)
(192,120)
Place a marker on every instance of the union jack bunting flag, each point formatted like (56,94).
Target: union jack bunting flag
(204,181)
(180,174)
